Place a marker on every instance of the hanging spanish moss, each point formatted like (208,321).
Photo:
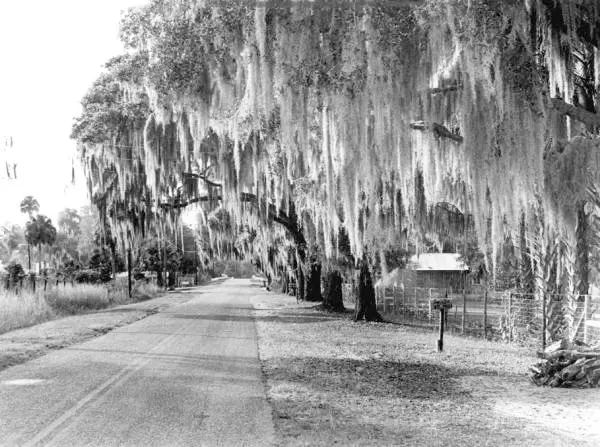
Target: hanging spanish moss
(387,121)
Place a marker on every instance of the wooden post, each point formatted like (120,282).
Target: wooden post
(586,317)
(430,315)
(33,283)
(403,303)
(485,301)
(464,309)
(543,321)
(416,302)
(440,342)
(129,272)
(45,283)
(510,324)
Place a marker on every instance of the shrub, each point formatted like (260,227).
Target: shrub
(15,271)
(145,291)
(90,276)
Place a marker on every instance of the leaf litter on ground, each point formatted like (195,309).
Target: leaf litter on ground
(333,381)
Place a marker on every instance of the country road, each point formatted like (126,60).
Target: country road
(188,375)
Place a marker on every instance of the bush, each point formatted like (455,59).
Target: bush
(15,271)
(145,291)
(90,276)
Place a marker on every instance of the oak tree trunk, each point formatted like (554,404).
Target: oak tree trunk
(284,281)
(366,307)
(582,267)
(313,283)
(332,294)
(299,282)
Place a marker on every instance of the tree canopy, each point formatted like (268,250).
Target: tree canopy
(389,121)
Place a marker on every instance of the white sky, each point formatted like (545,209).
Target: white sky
(50,53)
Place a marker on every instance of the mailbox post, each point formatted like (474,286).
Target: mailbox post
(442,305)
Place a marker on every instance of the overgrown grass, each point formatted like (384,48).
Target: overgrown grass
(26,308)
(22,309)
(78,299)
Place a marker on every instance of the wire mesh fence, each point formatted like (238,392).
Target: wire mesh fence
(501,315)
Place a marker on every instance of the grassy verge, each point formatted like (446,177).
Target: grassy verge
(332,381)
(22,310)
(26,308)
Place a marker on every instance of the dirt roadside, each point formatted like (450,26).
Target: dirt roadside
(332,381)
(22,345)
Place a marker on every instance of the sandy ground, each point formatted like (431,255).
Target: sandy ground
(332,381)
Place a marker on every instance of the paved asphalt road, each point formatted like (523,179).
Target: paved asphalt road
(188,375)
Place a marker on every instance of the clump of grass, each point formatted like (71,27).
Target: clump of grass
(79,298)
(22,309)
(145,291)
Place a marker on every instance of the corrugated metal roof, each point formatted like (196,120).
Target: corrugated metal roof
(437,261)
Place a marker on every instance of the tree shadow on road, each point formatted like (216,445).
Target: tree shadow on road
(281,317)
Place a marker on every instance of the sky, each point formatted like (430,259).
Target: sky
(50,53)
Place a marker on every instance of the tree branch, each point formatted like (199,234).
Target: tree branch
(577,113)
(277,215)
(450,87)
(437,129)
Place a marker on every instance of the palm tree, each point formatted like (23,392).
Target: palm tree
(29,206)
(40,231)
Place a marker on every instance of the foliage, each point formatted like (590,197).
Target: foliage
(91,276)
(69,221)
(40,231)
(369,119)
(30,206)
(153,256)
(15,271)
(100,261)
(10,239)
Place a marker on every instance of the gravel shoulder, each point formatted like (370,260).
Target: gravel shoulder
(333,381)
(22,345)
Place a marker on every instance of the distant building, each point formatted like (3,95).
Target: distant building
(437,270)
(429,271)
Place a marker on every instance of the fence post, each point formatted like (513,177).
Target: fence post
(464,309)
(395,299)
(403,302)
(485,302)
(129,273)
(416,303)
(430,310)
(586,317)
(510,324)
(543,321)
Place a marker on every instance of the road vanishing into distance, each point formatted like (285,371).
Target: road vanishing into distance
(187,375)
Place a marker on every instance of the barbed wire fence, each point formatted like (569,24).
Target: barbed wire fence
(496,315)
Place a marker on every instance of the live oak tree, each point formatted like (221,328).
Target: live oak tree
(363,118)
